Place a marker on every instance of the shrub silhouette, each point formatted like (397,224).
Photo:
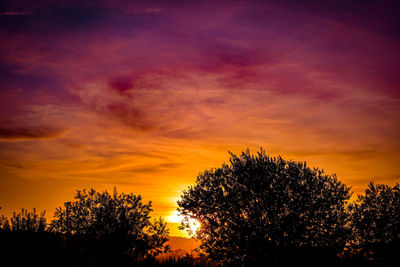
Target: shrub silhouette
(260,208)
(24,221)
(24,240)
(376,222)
(112,229)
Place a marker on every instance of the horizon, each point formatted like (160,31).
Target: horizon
(145,95)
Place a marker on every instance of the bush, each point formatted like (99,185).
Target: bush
(24,240)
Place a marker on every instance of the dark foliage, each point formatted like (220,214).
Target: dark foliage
(260,209)
(376,223)
(376,214)
(256,211)
(24,240)
(27,248)
(24,221)
(186,260)
(110,229)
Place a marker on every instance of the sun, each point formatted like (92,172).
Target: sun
(177,218)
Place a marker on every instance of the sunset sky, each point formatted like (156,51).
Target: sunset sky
(144,95)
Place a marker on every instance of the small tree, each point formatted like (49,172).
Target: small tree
(115,225)
(24,240)
(258,204)
(376,214)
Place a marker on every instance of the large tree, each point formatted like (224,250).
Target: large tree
(111,226)
(258,205)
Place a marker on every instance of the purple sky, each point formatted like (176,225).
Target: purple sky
(144,95)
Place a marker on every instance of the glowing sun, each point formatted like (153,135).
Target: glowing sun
(177,218)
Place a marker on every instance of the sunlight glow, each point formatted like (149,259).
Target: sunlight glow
(177,218)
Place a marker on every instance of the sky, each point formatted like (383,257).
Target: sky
(145,95)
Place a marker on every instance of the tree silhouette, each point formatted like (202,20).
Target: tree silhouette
(259,205)
(24,240)
(24,221)
(376,214)
(113,227)
(376,222)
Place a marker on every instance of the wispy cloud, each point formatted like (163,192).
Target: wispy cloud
(33,133)
(16,13)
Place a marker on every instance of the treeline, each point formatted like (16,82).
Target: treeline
(257,210)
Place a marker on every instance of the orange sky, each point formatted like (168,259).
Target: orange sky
(144,96)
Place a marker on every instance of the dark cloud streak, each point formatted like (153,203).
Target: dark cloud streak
(29,133)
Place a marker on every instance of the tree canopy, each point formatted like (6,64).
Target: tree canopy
(376,215)
(117,224)
(259,203)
